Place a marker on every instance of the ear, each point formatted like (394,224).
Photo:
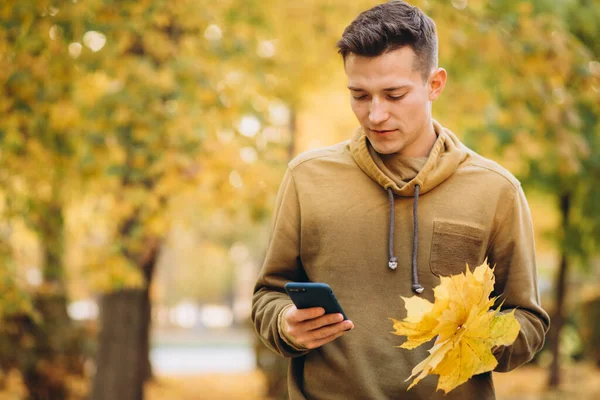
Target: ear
(437,81)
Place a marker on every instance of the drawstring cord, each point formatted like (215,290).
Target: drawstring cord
(416,287)
(393,262)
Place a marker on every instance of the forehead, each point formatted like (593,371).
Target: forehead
(394,68)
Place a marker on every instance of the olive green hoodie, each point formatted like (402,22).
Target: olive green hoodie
(345,216)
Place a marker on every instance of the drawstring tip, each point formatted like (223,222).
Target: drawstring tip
(417,288)
(393,263)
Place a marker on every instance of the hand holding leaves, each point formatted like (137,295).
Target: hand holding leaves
(465,327)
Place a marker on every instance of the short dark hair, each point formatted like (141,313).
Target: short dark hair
(390,26)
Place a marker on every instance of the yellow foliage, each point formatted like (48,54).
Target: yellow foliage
(15,298)
(465,327)
(114,272)
(156,225)
(64,115)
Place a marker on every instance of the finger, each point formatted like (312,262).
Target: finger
(294,315)
(320,342)
(314,328)
(327,319)
(323,333)
(329,330)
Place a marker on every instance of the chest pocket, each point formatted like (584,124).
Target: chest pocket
(453,245)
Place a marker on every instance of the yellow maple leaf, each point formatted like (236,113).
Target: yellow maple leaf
(465,328)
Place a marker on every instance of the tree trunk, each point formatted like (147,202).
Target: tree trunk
(560,295)
(46,364)
(51,233)
(58,348)
(119,373)
(122,361)
(147,323)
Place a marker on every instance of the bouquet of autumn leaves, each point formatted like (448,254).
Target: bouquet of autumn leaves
(466,329)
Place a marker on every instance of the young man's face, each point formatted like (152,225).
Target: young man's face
(392,102)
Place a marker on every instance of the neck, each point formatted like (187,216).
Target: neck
(423,145)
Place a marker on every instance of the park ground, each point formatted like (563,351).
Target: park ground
(581,382)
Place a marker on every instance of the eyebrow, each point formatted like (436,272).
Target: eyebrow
(390,89)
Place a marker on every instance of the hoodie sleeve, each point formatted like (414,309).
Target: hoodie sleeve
(282,264)
(512,251)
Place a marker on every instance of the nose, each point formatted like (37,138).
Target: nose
(377,112)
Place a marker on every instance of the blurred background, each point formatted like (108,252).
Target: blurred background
(142,144)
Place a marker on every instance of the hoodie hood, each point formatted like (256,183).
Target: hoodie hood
(446,155)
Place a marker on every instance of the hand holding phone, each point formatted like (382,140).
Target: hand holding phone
(307,323)
(314,294)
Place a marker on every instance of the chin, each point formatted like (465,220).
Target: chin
(383,149)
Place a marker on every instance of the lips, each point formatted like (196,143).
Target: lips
(382,132)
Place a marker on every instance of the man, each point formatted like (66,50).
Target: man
(384,215)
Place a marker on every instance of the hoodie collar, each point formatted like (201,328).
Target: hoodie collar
(445,156)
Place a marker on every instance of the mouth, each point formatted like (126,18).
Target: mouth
(382,132)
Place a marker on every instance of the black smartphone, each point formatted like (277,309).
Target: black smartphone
(313,294)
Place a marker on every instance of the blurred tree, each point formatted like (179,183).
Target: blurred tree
(163,87)
(132,106)
(16,303)
(35,163)
(580,202)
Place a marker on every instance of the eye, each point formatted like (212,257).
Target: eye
(361,97)
(396,98)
